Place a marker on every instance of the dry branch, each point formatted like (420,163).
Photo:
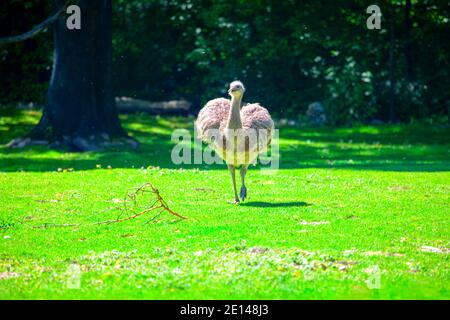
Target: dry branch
(159,203)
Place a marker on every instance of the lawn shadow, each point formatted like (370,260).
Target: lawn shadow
(264,204)
(400,148)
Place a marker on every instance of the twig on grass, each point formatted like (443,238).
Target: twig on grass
(159,203)
(48,225)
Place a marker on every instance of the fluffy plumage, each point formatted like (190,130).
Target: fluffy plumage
(212,118)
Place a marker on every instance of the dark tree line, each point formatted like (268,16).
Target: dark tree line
(289,54)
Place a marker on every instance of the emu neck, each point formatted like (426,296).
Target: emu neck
(234,118)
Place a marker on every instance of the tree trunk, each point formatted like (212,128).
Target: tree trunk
(80,111)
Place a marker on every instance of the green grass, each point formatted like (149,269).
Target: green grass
(344,202)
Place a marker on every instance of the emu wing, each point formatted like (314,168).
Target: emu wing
(256,117)
(213,116)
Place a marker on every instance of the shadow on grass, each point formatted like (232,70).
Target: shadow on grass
(407,148)
(264,204)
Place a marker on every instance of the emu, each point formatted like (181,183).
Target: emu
(238,135)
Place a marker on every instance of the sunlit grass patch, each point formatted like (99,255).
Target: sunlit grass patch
(348,206)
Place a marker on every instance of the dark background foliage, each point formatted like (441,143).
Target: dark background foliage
(288,54)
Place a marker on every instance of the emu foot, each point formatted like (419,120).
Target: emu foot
(235,201)
(243,193)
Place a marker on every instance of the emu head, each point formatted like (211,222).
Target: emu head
(236,90)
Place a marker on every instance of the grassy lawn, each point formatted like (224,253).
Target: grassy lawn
(345,203)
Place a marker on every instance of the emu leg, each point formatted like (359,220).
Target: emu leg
(233,178)
(243,188)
